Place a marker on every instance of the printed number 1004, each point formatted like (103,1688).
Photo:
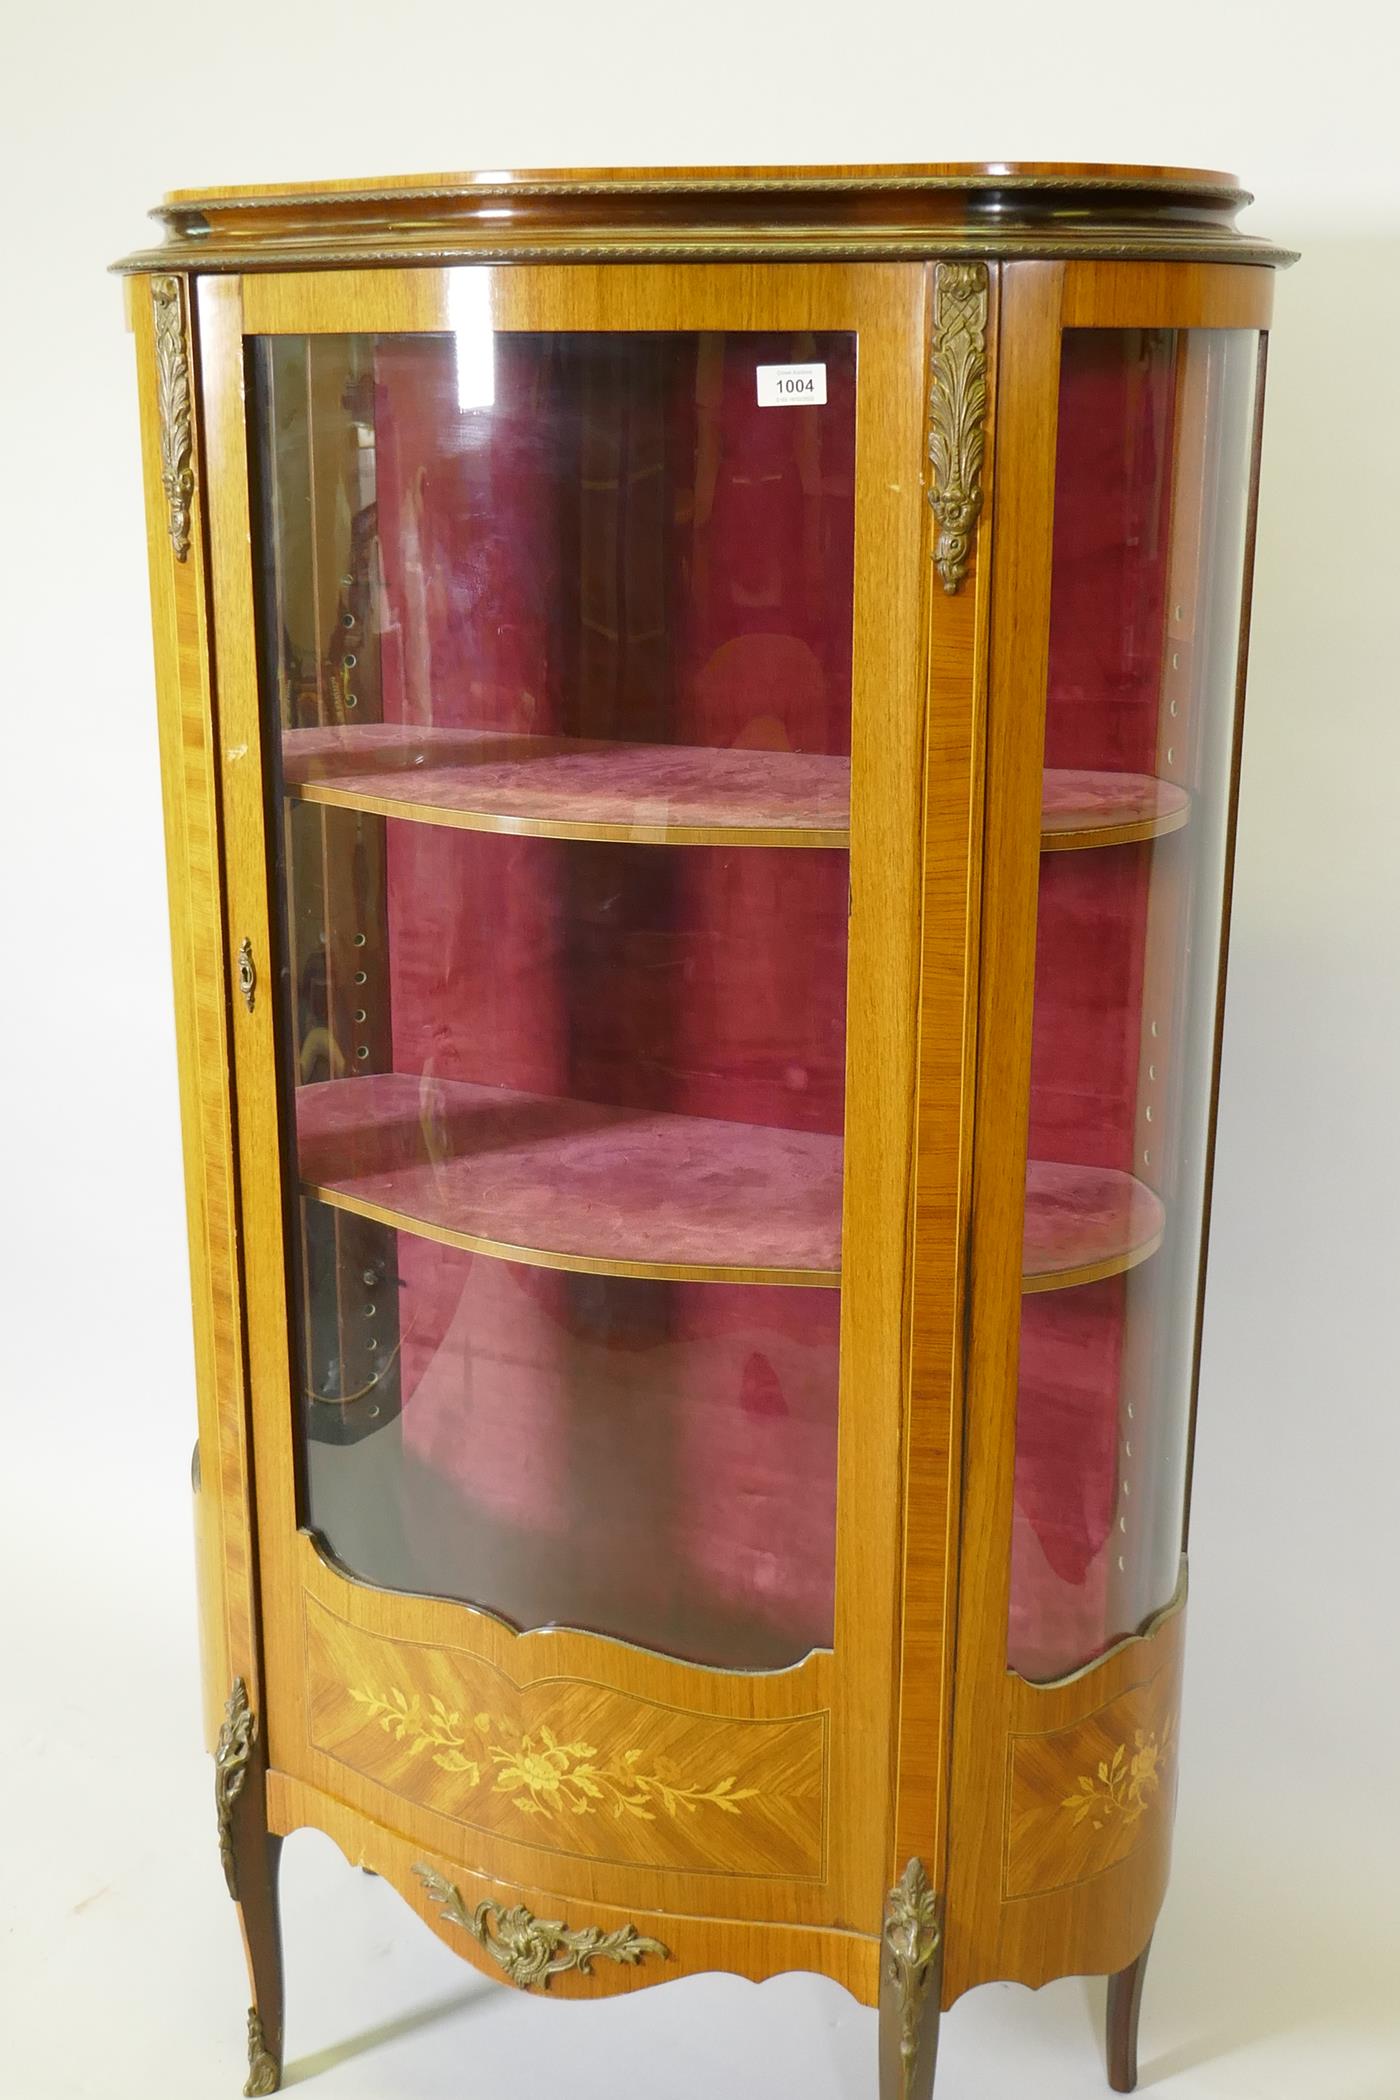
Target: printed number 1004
(791,386)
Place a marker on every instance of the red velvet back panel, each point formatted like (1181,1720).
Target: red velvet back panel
(706,980)
(1066,1474)
(1112,524)
(1112,520)
(466,623)
(648,1460)
(1091,937)
(625,547)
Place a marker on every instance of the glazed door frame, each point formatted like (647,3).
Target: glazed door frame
(1008,1732)
(837,1870)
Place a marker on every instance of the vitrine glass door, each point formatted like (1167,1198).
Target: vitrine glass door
(1151,496)
(555,641)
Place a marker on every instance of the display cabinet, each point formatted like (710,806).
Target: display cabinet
(700,716)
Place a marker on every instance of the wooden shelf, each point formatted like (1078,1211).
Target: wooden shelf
(621,1192)
(1080,809)
(572,1185)
(658,794)
(1083,1223)
(569,788)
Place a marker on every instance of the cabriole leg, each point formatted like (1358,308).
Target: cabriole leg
(911,1983)
(250,1857)
(1124,2006)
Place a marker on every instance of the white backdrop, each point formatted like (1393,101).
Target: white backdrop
(1278,1958)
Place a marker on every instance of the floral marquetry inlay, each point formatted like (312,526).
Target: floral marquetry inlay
(1085,1798)
(543,1776)
(565,1764)
(1123,1787)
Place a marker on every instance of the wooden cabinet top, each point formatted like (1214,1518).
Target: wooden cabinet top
(1010,208)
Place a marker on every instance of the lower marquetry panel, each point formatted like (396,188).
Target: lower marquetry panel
(567,1765)
(1081,1799)
(1065,1844)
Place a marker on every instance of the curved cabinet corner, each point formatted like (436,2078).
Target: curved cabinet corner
(1084,1821)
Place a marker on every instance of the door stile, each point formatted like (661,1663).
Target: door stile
(173,444)
(250,943)
(1027,415)
(956,646)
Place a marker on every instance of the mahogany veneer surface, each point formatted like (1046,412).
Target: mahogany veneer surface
(498,780)
(574,1179)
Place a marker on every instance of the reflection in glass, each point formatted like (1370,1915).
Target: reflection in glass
(556,639)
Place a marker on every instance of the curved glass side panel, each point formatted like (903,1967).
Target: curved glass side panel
(1151,501)
(556,664)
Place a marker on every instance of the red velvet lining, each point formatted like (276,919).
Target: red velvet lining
(648,1460)
(624,548)
(1090,941)
(1112,524)
(1109,566)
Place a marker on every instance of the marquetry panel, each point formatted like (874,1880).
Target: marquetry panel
(566,1764)
(1081,1799)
